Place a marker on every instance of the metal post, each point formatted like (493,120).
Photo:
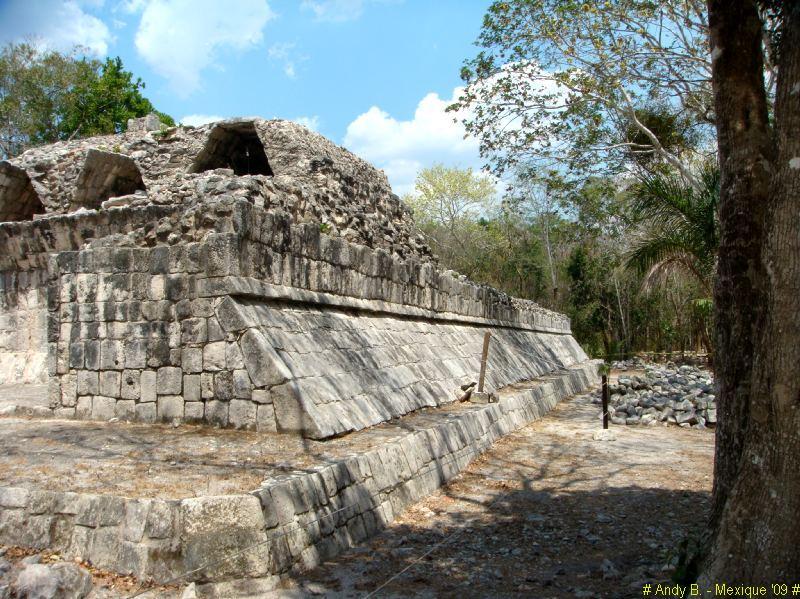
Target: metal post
(484,357)
(605,401)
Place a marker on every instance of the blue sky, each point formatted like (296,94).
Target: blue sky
(372,75)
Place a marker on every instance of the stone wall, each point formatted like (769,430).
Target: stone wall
(219,327)
(309,177)
(292,520)
(283,289)
(23,327)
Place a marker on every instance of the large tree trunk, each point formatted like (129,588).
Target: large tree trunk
(755,536)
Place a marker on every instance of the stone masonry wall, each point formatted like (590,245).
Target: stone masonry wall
(23,327)
(165,333)
(188,296)
(293,520)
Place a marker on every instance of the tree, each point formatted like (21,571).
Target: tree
(557,80)
(48,96)
(676,228)
(103,103)
(753,535)
(447,204)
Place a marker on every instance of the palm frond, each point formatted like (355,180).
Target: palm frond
(676,227)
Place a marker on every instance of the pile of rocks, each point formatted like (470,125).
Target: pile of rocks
(668,394)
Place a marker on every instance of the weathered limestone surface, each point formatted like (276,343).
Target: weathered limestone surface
(292,520)
(283,289)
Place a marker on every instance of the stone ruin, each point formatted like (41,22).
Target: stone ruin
(249,274)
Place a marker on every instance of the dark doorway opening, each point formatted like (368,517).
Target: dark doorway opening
(18,198)
(235,146)
(105,175)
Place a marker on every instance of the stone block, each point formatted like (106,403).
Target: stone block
(242,414)
(191,387)
(125,409)
(177,287)
(91,354)
(136,511)
(69,391)
(233,356)
(194,330)
(242,387)
(103,408)
(261,396)
(232,316)
(192,359)
(157,291)
(216,528)
(88,382)
(265,419)
(83,408)
(216,412)
(169,380)
(146,412)
(161,519)
(193,411)
(147,382)
(223,385)
(136,353)
(76,355)
(214,356)
(110,383)
(207,385)
(261,361)
(130,386)
(220,255)
(14,497)
(112,356)
(170,407)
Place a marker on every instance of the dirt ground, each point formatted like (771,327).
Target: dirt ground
(171,462)
(548,512)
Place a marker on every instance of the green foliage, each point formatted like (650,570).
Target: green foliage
(448,204)
(564,246)
(448,196)
(47,96)
(676,227)
(675,132)
(556,81)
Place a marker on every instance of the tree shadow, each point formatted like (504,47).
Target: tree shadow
(522,542)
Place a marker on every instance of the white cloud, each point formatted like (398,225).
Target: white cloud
(283,52)
(195,120)
(339,11)
(309,122)
(403,148)
(180,38)
(55,24)
(334,11)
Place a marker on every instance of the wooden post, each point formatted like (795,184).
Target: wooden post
(484,357)
(605,401)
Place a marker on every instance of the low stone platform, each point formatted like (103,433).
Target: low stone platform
(219,506)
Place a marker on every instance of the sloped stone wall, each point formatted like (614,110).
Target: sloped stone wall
(293,520)
(238,299)
(332,371)
(184,331)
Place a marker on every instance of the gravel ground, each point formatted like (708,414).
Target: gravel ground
(551,510)
(548,512)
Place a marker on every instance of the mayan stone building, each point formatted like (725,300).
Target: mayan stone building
(245,274)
